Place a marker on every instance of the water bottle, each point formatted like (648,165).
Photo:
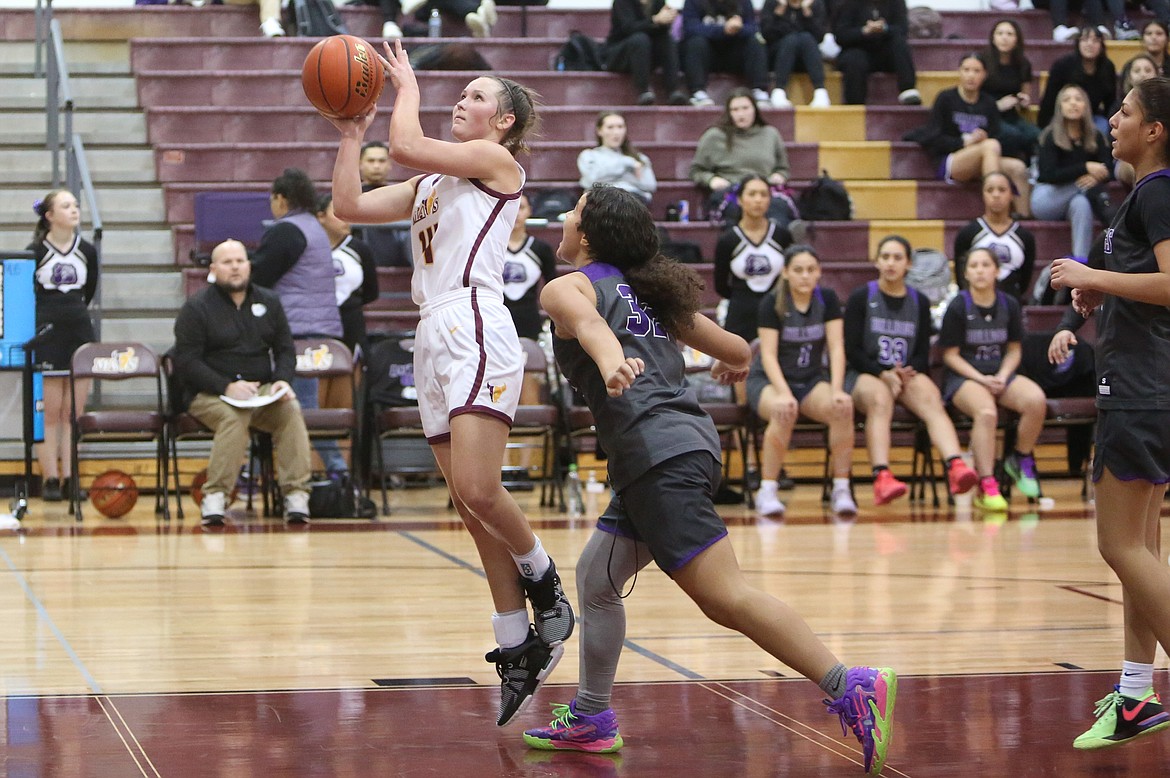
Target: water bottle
(574,503)
(435,24)
(593,491)
(684,210)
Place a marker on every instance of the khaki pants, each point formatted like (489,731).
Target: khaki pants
(269,9)
(232,427)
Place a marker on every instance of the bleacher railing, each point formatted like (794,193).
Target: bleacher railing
(67,143)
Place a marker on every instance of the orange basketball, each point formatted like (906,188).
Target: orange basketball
(342,77)
(113,493)
(197,488)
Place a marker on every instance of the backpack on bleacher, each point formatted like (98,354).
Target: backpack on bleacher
(825,199)
(317,18)
(930,273)
(552,203)
(924,23)
(580,52)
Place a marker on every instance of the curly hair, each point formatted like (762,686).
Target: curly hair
(621,232)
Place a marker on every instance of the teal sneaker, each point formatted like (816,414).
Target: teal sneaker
(1022,470)
(867,708)
(1121,719)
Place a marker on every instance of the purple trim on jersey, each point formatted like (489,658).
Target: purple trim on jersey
(595,271)
(481,186)
(477,384)
(909,290)
(441,438)
(487,225)
(683,562)
(817,294)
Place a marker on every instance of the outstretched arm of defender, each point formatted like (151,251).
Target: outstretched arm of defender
(572,305)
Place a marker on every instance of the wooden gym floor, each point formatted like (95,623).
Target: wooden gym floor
(352,648)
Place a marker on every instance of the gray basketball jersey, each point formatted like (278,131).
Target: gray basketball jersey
(659,417)
(985,339)
(890,334)
(1133,338)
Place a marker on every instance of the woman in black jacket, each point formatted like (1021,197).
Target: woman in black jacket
(1009,82)
(872,35)
(1088,67)
(793,30)
(640,41)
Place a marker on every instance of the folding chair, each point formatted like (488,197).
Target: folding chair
(541,422)
(118,361)
(183,427)
(390,409)
(330,358)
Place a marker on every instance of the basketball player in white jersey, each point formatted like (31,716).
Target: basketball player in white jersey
(468,364)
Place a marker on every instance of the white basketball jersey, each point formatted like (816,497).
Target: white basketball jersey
(459,235)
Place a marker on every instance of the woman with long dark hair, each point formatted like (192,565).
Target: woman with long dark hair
(1009,82)
(1087,66)
(66,280)
(618,322)
(1132,463)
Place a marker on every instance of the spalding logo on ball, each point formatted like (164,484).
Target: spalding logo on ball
(343,77)
(113,493)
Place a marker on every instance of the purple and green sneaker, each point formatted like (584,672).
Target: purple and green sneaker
(867,708)
(573,731)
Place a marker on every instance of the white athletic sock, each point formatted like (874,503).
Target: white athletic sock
(768,485)
(511,628)
(840,483)
(534,564)
(1135,678)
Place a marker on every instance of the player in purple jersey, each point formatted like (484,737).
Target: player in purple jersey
(1132,463)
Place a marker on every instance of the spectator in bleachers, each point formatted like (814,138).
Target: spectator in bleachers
(64,284)
(355,276)
(529,265)
(1088,67)
(739,144)
(800,331)
(793,30)
(980,339)
(1156,41)
(1009,81)
(1096,13)
(391,9)
(749,257)
(374,165)
(887,345)
(1072,168)
(960,135)
(1133,73)
(721,35)
(639,41)
(614,160)
(270,24)
(872,37)
(997,231)
(295,260)
(478,16)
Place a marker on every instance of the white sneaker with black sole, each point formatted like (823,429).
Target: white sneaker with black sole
(213,507)
(296,508)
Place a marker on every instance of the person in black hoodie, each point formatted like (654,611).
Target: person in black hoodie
(793,29)
(872,36)
(639,41)
(1088,67)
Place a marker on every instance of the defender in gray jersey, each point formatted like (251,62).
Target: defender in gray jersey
(1132,462)
(618,325)
(980,339)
